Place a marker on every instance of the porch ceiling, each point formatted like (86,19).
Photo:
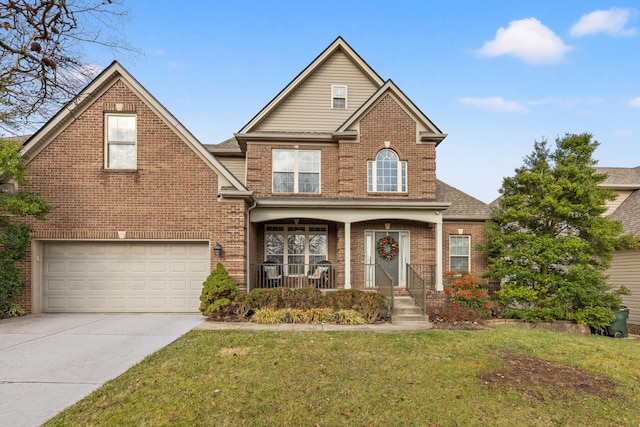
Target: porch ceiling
(348,211)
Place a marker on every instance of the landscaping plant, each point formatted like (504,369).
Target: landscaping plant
(465,290)
(15,207)
(218,293)
(549,241)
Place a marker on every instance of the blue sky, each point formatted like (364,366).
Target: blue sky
(494,75)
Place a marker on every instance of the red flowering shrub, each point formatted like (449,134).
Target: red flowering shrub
(467,291)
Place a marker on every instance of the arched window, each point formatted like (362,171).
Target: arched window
(387,173)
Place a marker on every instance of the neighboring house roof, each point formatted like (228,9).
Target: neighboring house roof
(621,178)
(627,213)
(627,183)
(97,88)
(463,206)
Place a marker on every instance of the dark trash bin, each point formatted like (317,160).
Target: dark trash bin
(618,328)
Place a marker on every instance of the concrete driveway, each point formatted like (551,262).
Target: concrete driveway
(50,361)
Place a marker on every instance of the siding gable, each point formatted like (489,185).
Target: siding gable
(308,107)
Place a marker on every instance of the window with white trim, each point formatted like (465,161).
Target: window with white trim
(120,141)
(387,173)
(296,171)
(459,253)
(297,247)
(338,96)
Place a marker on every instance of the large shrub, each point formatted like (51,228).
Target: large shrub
(218,293)
(549,241)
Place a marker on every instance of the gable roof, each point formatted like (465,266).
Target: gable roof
(463,206)
(627,213)
(338,44)
(621,178)
(433,134)
(110,75)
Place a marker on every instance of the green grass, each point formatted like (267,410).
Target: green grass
(250,378)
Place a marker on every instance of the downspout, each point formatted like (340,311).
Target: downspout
(248,225)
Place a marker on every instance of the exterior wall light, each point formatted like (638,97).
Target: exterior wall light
(217,249)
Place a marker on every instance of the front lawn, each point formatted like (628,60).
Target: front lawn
(501,377)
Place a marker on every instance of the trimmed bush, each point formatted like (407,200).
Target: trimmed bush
(317,307)
(218,293)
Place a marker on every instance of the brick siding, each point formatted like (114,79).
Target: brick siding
(172,195)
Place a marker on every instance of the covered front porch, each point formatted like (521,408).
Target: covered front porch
(339,245)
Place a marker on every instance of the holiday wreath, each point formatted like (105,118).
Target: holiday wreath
(381,247)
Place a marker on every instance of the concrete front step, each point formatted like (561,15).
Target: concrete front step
(406,310)
(409,318)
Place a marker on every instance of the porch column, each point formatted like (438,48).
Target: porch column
(347,255)
(438,283)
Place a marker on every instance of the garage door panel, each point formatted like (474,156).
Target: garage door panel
(76,285)
(157,267)
(137,267)
(54,304)
(157,284)
(198,267)
(54,267)
(76,267)
(178,267)
(123,277)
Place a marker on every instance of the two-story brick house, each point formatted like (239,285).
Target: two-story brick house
(339,167)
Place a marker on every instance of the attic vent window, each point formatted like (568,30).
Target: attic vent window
(338,96)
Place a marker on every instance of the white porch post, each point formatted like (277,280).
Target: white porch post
(347,255)
(439,286)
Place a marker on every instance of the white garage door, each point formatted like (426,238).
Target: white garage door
(123,277)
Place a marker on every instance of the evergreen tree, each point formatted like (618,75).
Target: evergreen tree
(549,241)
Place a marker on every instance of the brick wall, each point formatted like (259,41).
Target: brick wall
(478,261)
(172,195)
(259,170)
(343,171)
(387,121)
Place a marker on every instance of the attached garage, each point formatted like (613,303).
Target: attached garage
(105,277)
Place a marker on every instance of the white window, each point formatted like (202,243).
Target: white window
(296,171)
(120,136)
(297,247)
(459,253)
(338,96)
(387,173)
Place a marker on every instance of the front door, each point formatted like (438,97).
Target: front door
(387,251)
(394,262)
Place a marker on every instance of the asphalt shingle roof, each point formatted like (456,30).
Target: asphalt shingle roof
(627,213)
(621,177)
(463,206)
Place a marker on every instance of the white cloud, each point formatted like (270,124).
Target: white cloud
(634,102)
(529,40)
(610,21)
(495,103)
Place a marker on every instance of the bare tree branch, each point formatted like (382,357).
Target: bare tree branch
(41,63)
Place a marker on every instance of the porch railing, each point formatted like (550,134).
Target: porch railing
(420,278)
(272,275)
(384,284)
